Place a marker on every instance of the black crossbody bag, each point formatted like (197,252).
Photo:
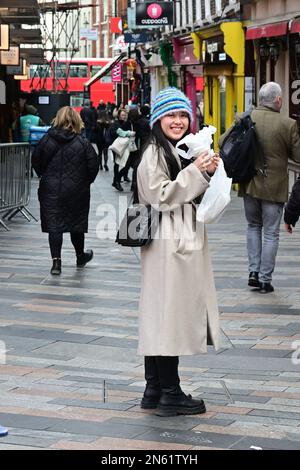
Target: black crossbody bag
(138,226)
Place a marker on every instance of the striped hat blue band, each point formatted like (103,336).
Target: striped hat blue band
(168,100)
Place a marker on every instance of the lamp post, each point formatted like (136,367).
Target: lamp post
(86,23)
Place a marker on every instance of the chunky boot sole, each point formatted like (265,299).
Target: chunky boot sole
(55,272)
(83,260)
(253,283)
(149,405)
(180,410)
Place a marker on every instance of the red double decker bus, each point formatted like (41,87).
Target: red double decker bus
(65,75)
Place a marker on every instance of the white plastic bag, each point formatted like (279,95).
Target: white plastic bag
(216,198)
(119,145)
(197,143)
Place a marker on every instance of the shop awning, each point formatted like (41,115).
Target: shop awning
(105,70)
(267,30)
(295,28)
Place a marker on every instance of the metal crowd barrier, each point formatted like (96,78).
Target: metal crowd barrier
(15,181)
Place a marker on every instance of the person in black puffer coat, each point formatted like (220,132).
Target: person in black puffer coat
(67,165)
(292,208)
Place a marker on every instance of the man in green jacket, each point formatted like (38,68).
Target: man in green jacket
(264,196)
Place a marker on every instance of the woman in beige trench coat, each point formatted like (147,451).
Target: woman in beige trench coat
(178,306)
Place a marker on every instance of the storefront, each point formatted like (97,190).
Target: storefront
(270,45)
(221,50)
(294,75)
(191,73)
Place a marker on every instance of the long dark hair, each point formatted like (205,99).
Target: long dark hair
(160,140)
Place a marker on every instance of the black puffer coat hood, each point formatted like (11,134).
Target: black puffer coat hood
(62,136)
(67,164)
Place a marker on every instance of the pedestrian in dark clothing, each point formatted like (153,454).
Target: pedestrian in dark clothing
(140,124)
(67,165)
(89,118)
(101,106)
(119,128)
(292,209)
(102,128)
(133,159)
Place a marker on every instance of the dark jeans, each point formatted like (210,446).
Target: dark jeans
(56,240)
(103,153)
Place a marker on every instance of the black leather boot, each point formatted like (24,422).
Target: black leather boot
(266,288)
(56,267)
(174,402)
(84,258)
(150,398)
(152,391)
(117,185)
(253,280)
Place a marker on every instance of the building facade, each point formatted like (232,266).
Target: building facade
(273,44)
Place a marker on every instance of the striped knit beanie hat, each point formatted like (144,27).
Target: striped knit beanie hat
(168,100)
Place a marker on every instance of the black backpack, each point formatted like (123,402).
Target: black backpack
(241,151)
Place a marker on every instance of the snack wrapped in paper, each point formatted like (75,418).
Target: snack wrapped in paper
(197,143)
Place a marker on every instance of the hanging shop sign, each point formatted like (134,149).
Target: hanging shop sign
(213,51)
(120,44)
(138,37)
(4,37)
(131,17)
(116,73)
(154,14)
(20,69)
(88,34)
(10,57)
(116,25)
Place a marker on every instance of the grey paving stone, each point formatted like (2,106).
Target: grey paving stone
(265,444)
(26,421)
(249,398)
(118,342)
(186,423)
(15,343)
(42,442)
(276,414)
(198,438)
(258,420)
(109,383)
(108,405)
(257,352)
(105,428)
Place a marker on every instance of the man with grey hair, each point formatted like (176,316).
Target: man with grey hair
(265,195)
(270,96)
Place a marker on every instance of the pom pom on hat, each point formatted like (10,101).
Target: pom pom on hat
(168,100)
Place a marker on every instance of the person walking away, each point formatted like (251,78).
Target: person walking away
(292,208)
(178,310)
(102,128)
(119,128)
(101,106)
(142,129)
(132,162)
(88,117)
(264,196)
(67,165)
